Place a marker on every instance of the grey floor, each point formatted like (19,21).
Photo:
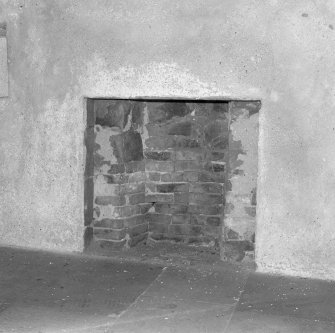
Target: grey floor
(45,292)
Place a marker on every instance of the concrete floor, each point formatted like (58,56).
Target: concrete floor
(46,292)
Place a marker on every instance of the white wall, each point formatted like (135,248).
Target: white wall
(281,52)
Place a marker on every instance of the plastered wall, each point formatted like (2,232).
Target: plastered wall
(279,52)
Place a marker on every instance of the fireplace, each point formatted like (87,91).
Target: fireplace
(179,171)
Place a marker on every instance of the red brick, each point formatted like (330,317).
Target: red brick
(138,229)
(189,155)
(206,188)
(136,198)
(166,208)
(185,229)
(126,211)
(113,234)
(144,208)
(132,188)
(133,221)
(134,166)
(160,228)
(206,209)
(172,187)
(154,176)
(172,177)
(158,218)
(137,177)
(159,155)
(187,165)
(181,219)
(182,197)
(207,199)
(109,223)
(159,197)
(110,200)
(161,166)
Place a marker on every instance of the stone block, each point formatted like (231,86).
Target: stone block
(161,166)
(113,234)
(159,197)
(159,155)
(206,188)
(158,218)
(166,208)
(110,200)
(172,187)
(206,198)
(135,198)
(181,219)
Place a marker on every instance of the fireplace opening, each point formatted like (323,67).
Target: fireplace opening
(178,171)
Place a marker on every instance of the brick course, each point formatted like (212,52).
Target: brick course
(167,177)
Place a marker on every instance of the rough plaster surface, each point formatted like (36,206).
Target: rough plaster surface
(281,52)
(243,168)
(3,67)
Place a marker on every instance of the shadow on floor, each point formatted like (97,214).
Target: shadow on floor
(48,292)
